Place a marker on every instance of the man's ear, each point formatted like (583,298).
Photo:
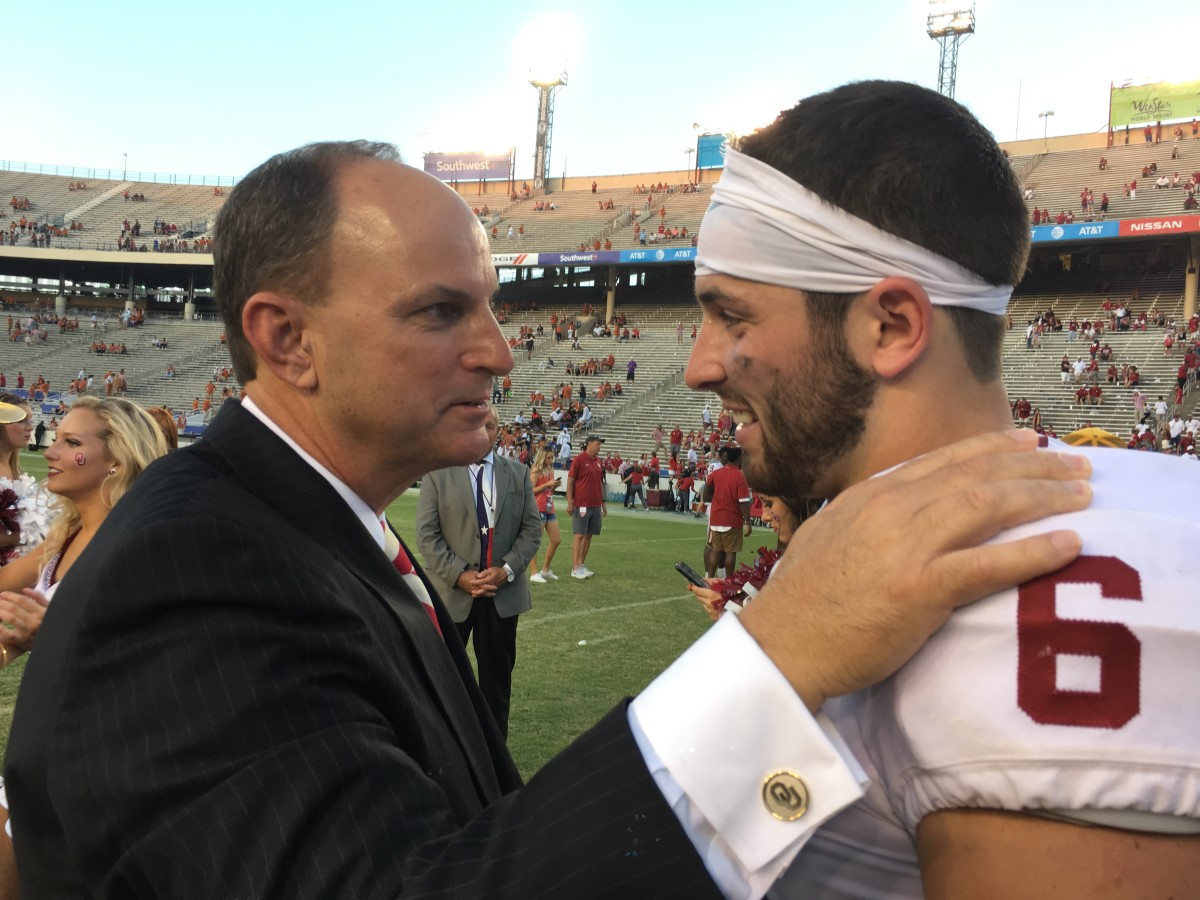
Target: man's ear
(901,316)
(276,326)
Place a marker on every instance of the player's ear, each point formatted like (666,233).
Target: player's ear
(899,319)
(275,325)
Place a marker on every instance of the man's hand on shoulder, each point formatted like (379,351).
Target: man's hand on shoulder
(866,582)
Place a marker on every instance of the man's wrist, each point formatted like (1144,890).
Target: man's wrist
(791,661)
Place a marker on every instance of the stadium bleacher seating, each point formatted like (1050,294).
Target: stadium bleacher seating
(102,207)
(658,396)
(1057,178)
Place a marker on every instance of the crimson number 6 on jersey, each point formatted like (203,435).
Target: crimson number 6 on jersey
(1042,637)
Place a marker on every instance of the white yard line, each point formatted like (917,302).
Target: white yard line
(527,622)
(698,536)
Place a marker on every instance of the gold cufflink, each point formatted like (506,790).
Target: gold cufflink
(785,796)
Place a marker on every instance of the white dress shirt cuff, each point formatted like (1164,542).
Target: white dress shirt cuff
(712,729)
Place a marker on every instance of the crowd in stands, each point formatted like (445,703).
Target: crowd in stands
(1083,375)
(100,347)
(182,245)
(77,186)
(35,324)
(644,236)
(137,198)
(19,204)
(29,334)
(39,233)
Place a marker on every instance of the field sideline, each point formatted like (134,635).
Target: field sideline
(635,616)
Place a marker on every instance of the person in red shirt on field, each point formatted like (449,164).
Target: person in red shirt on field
(684,487)
(729,496)
(585,503)
(633,486)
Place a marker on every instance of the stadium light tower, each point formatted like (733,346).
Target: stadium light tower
(949,24)
(1045,115)
(547,88)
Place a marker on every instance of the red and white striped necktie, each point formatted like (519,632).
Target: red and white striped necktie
(399,558)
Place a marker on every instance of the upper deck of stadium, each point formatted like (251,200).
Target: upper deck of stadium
(1142,248)
(608,217)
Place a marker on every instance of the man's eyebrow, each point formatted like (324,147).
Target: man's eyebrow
(716,295)
(437,293)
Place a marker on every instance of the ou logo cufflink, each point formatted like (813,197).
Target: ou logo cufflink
(785,796)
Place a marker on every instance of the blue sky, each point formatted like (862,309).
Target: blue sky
(216,87)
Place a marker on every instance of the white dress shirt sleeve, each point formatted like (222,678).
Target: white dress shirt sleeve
(712,729)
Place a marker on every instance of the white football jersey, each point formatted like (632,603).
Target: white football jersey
(1075,694)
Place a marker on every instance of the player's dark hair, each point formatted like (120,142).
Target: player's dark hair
(920,166)
(273,233)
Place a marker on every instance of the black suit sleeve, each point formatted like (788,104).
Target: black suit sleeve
(260,727)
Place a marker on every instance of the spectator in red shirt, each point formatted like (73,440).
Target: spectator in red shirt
(729,495)
(1095,393)
(676,439)
(685,490)
(1081,396)
(633,487)
(585,503)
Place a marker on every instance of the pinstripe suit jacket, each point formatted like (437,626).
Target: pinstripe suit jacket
(235,696)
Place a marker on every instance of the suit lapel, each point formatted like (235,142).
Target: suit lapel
(500,467)
(272,471)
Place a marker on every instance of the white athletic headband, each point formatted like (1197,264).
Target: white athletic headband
(763,226)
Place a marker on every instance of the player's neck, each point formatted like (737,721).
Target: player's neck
(908,421)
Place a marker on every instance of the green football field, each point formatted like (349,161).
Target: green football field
(585,644)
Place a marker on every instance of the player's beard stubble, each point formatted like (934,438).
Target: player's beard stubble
(815,414)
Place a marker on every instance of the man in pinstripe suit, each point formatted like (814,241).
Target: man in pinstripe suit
(236,694)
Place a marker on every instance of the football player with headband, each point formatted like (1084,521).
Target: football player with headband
(854,268)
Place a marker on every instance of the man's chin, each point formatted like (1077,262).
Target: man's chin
(466,449)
